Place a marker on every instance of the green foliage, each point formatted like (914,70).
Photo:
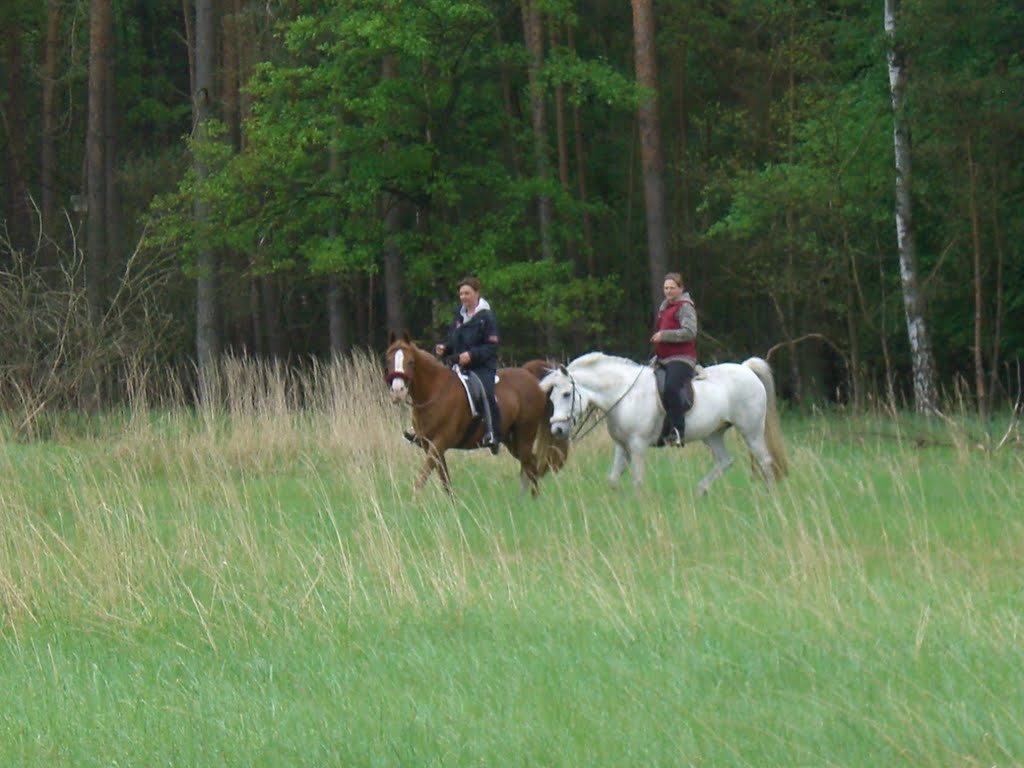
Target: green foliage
(775,122)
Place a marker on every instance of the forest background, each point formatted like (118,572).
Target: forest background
(186,180)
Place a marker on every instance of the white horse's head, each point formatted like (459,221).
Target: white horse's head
(566,400)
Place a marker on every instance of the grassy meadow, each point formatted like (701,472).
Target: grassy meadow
(259,587)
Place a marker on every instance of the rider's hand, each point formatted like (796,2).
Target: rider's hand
(656,337)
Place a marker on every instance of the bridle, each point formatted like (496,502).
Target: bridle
(572,407)
(585,415)
(399,373)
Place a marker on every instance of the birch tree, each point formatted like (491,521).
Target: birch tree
(925,393)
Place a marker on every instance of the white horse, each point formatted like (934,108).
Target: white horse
(729,394)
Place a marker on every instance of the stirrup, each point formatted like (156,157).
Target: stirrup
(411,437)
(674,438)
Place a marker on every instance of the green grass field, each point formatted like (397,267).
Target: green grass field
(260,588)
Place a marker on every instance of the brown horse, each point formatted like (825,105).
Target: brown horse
(442,418)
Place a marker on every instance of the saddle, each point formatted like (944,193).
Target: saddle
(474,391)
(477,399)
(659,376)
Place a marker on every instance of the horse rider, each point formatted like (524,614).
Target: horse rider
(473,343)
(675,349)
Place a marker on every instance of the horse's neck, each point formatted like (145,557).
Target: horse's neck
(436,374)
(607,386)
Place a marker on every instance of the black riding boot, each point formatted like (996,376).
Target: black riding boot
(676,431)
(492,425)
(492,416)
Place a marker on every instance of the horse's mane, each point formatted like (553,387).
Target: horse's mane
(426,355)
(593,358)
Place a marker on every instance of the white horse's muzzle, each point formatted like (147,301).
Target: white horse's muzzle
(399,391)
(561,428)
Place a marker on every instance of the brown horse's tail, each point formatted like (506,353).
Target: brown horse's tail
(549,451)
(772,426)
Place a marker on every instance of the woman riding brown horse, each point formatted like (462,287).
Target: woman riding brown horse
(442,418)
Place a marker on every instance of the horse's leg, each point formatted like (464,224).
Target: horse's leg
(723,460)
(426,469)
(519,439)
(618,464)
(446,479)
(762,457)
(637,456)
(435,460)
(528,475)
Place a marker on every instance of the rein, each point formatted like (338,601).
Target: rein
(579,434)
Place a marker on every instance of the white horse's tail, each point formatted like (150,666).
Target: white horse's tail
(772,427)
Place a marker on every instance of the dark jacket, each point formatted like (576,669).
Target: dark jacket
(478,335)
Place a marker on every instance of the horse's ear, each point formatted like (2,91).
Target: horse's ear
(391,337)
(563,370)
(405,335)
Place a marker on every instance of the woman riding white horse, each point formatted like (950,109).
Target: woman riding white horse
(726,395)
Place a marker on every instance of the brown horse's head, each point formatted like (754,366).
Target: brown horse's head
(401,365)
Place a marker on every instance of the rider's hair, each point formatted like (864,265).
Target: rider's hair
(470,280)
(675,277)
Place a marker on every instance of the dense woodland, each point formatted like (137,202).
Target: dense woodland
(185,180)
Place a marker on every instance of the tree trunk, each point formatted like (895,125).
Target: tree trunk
(394,302)
(979,360)
(391,213)
(925,391)
(12,111)
(112,207)
(339,332)
(683,149)
(231,75)
(277,342)
(581,173)
(652,158)
(790,274)
(207,339)
(100,26)
(997,330)
(855,299)
(337,322)
(533,32)
(512,113)
(571,245)
(48,144)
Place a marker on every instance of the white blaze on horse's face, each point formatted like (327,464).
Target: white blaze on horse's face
(399,388)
